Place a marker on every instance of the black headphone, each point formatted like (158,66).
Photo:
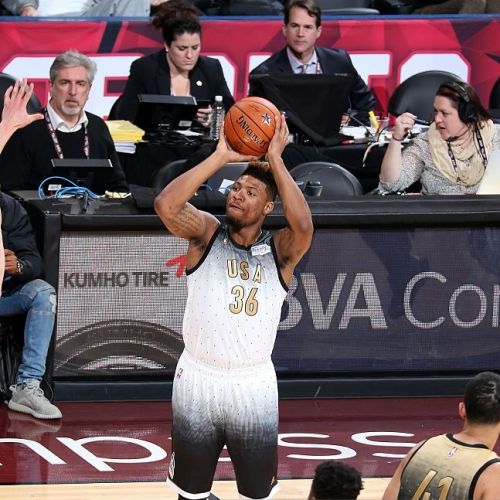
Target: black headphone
(467,110)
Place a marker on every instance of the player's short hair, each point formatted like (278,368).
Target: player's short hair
(482,398)
(262,171)
(70,59)
(336,480)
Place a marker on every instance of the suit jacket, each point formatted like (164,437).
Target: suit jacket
(151,75)
(331,61)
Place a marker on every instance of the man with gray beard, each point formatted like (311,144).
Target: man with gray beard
(67,131)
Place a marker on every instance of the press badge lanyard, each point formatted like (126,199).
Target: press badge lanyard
(55,140)
(482,151)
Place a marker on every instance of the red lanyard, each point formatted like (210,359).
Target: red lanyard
(55,140)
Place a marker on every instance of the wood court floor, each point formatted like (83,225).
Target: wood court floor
(296,489)
(292,489)
(121,450)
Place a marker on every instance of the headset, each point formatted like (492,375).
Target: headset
(467,110)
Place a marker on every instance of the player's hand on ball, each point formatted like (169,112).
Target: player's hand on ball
(280,138)
(230,155)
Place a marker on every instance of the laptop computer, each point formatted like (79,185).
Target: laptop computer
(81,171)
(158,113)
(490,183)
(318,117)
(222,180)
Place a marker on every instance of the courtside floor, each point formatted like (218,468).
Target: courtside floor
(121,449)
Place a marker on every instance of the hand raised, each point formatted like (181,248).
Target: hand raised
(229,154)
(14,114)
(280,138)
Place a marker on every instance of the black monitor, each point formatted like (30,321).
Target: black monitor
(81,171)
(314,104)
(222,179)
(162,113)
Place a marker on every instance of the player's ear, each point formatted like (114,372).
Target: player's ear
(461,410)
(269,207)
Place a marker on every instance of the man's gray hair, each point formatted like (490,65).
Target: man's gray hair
(70,59)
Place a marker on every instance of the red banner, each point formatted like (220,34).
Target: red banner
(385,51)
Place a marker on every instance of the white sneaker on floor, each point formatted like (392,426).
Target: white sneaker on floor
(29,398)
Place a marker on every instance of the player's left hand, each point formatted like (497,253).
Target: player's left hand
(280,138)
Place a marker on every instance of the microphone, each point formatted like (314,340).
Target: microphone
(352,116)
(454,138)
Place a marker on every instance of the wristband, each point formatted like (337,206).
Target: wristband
(20,267)
(397,139)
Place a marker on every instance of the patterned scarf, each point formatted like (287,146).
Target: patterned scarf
(470,167)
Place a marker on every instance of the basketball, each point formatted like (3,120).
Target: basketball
(249,125)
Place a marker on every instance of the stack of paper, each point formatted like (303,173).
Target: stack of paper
(125,135)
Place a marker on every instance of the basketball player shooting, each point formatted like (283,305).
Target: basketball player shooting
(225,389)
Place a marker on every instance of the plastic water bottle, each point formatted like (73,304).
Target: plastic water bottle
(217,118)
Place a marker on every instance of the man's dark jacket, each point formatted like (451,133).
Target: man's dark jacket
(18,236)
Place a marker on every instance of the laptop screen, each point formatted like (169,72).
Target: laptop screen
(224,177)
(163,113)
(81,171)
(314,104)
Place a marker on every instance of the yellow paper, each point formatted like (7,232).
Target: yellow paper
(124,131)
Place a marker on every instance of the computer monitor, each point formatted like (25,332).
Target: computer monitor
(223,179)
(314,104)
(81,171)
(163,113)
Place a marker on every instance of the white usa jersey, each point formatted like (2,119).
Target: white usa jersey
(234,303)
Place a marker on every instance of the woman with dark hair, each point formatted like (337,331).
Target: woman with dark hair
(449,158)
(177,69)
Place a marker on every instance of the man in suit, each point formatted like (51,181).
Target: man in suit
(302,29)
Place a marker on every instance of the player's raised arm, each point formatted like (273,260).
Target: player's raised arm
(172,204)
(293,241)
